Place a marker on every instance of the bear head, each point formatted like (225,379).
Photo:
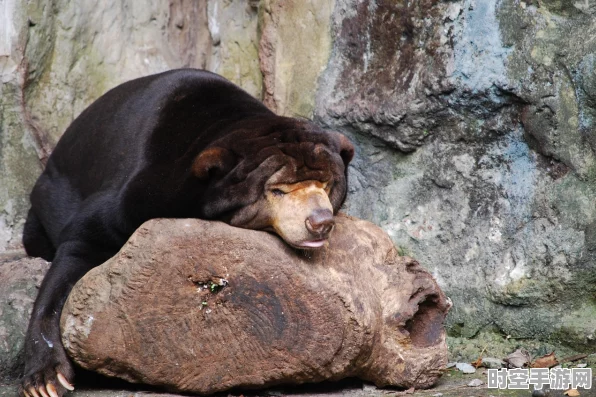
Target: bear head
(282,175)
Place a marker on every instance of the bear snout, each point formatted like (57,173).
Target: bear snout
(320,223)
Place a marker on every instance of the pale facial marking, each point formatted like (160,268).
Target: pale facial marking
(300,213)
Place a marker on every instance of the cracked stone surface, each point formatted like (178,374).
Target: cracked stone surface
(474,135)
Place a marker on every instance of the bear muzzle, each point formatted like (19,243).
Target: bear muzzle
(301,213)
(320,223)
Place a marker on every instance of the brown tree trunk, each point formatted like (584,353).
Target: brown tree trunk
(202,307)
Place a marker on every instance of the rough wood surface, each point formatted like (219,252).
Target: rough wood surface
(203,307)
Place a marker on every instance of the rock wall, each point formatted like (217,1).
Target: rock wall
(472,119)
(19,281)
(482,163)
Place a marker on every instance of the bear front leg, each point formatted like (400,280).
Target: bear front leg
(48,371)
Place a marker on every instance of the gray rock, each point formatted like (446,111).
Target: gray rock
(475,383)
(498,208)
(518,359)
(490,362)
(19,281)
(465,368)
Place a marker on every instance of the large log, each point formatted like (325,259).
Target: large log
(202,307)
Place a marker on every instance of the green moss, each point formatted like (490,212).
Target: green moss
(562,7)
(404,251)
(41,37)
(573,199)
(577,328)
(490,342)
(46,96)
(589,180)
(573,338)
(513,22)
(19,165)
(302,45)
(240,62)
(584,282)
(97,79)
(531,291)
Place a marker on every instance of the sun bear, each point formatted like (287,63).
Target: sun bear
(180,144)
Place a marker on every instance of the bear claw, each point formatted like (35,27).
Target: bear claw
(64,382)
(55,388)
(51,390)
(42,391)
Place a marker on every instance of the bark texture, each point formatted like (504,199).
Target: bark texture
(202,307)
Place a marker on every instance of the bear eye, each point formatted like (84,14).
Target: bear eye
(278,192)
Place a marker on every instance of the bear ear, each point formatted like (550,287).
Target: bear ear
(211,160)
(346,149)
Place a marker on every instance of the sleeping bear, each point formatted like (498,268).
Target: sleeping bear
(180,144)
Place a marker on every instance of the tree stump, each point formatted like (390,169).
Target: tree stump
(202,307)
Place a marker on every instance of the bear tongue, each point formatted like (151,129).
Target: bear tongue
(313,243)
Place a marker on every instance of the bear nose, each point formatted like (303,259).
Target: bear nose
(320,222)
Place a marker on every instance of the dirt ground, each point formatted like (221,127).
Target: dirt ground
(453,384)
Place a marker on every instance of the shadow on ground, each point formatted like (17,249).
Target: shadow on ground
(452,384)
